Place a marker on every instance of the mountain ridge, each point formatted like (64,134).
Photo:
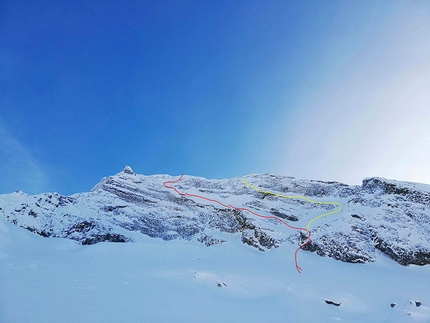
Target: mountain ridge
(380,217)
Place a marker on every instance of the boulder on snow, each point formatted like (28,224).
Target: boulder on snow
(331,302)
(416,303)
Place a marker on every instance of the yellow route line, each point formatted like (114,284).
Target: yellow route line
(299,197)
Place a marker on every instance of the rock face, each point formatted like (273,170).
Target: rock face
(379,217)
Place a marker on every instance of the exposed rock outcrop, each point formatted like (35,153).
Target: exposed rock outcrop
(379,217)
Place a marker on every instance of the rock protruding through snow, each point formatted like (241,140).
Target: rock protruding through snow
(128,170)
(379,217)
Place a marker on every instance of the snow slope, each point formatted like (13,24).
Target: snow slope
(47,280)
(381,216)
(193,260)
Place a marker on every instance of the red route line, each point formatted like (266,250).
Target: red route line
(229,206)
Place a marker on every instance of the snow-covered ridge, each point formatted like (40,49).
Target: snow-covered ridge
(380,217)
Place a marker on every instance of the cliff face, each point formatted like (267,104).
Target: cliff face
(380,217)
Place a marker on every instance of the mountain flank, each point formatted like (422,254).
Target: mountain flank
(379,218)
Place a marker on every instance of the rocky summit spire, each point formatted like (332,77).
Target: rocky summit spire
(128,170)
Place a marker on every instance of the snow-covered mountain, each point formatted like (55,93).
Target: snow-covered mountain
(379,217)
(198,250)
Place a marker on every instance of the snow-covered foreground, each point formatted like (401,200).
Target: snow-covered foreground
(57,280)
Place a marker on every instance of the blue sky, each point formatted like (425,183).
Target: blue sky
(330,90)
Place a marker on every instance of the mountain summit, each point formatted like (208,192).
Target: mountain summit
(128,170)
(380,217)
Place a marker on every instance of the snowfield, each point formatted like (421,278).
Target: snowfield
(46,280)
(191,260)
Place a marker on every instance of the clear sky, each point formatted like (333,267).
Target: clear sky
(329,90)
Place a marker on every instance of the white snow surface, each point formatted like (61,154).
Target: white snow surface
(50,280)
(174,278)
